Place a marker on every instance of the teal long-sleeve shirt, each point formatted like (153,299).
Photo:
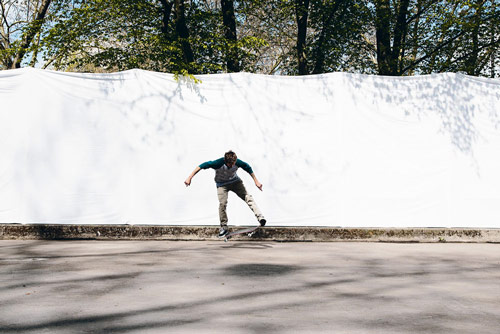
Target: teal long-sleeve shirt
(223,174)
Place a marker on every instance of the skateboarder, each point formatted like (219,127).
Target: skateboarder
(226,181)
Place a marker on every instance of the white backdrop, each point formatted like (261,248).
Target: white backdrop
(331,150)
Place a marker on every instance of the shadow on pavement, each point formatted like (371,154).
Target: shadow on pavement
(259,269)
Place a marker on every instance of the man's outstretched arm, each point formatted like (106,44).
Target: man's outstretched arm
(257,183)
(246,167)
(190,177)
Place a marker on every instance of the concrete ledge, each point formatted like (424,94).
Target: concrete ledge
(282,234)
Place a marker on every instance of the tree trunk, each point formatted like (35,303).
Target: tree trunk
(33,29)
(383,35)
(166,11)
(319,53)
(472,61)
(35,52)
(415,33)
(399,37)
(492,39)
(183,32)
(229,22)
(301,12)
(4,45)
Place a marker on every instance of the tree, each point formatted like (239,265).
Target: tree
(337,41)
(480,38)
(301,14)
(21,25)
(119,35)
(426,36)
(182,32)
(494,53)
(162,35)
(315,37)
(387,37)
(288,37)
(387,54)
(229,22)
(112,35)
(271,26)
(325,23)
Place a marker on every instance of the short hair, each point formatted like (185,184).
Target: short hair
(230,157)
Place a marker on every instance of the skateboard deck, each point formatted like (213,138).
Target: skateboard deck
(249,230)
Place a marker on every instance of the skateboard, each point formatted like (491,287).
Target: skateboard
(249,231)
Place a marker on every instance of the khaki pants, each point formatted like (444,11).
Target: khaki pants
(239,189)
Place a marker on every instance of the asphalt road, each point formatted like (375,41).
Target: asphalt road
(248,287)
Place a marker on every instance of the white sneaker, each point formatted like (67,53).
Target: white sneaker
(223,231)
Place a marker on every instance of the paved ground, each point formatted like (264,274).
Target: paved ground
(248,287)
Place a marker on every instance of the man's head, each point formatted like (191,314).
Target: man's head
(230,158)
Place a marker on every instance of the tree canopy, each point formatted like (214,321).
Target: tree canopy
(288,37)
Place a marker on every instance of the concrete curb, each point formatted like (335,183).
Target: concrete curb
(281,234)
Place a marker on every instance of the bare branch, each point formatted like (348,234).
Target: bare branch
(436,49)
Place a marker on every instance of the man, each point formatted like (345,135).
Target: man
(226,181)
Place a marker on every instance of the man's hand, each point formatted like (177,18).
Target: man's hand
(190,177)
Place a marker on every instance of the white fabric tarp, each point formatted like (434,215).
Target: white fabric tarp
(331,150)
